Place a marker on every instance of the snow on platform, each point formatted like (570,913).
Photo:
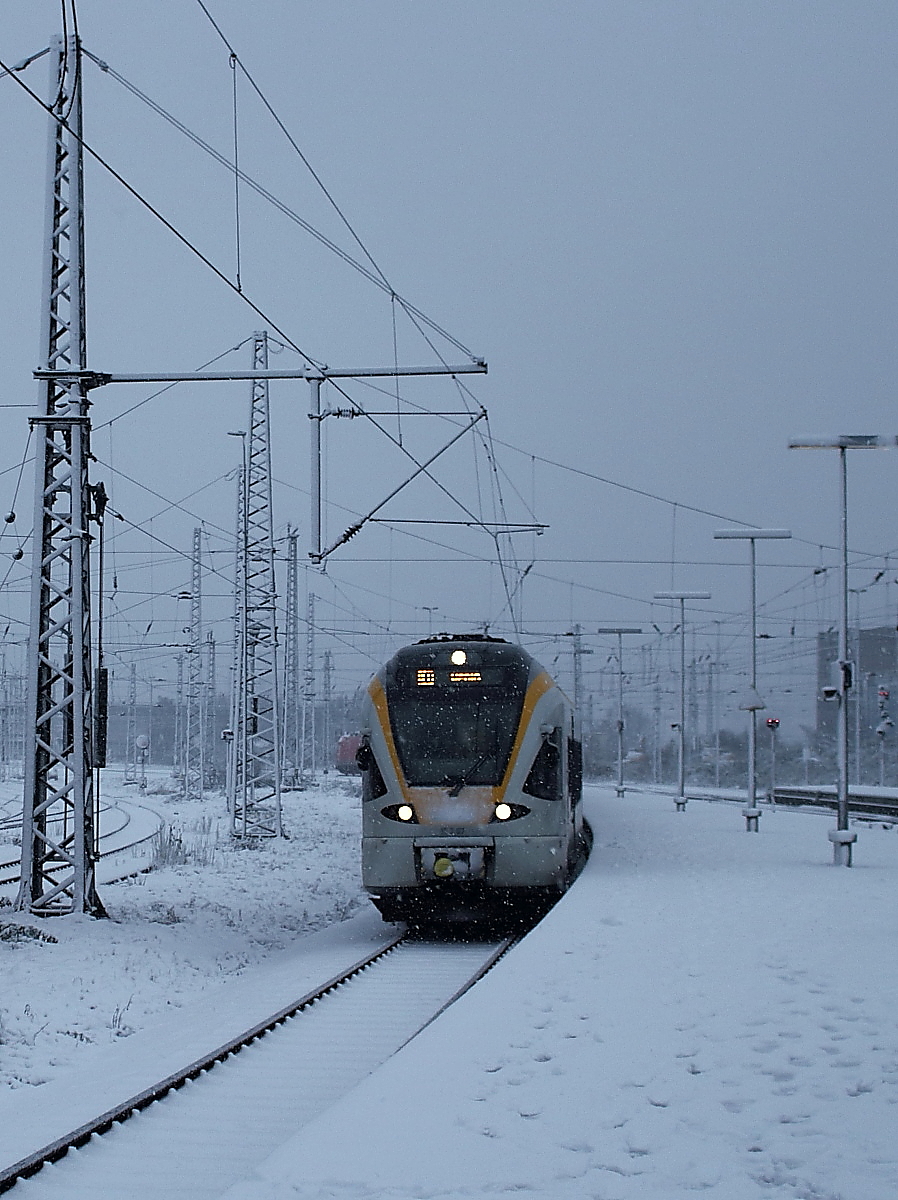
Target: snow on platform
(707,1012)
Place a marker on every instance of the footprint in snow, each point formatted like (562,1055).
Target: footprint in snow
(765,1047)
(778,1075)
(860,1089)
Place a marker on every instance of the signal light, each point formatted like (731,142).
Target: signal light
(773,722)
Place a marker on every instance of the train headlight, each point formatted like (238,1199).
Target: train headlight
(443,868)
(405,812)
(503,812)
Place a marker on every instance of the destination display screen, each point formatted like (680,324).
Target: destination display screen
(455,676)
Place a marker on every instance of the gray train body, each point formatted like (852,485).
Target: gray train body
(471,771)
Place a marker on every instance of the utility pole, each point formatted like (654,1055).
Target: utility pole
(194,754)
(256,779)
(59,831)
(620,631)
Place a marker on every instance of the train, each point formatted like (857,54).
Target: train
(345,756)
(471,765)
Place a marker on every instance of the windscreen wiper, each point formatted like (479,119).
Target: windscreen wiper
(463,779)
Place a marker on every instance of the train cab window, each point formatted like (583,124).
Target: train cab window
(373,786)
(575,769)
(544,780)
(460,741)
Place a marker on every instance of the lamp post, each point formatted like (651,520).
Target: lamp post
(681,727)
(620,631)
(841,837)
(752,702)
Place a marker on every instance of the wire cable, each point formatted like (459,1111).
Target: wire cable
(182,238)
(414,313)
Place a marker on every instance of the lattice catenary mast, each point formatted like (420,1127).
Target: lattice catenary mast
(255,802)
(194,744)
(131,728)
(59,842)
(292,707)
(307,750)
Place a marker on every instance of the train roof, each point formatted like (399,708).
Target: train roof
(481,649)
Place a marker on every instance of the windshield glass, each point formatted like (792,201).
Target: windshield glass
(456,740)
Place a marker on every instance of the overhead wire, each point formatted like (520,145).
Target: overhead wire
(284,208)
(182,238)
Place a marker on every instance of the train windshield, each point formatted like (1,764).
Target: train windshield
(458,729)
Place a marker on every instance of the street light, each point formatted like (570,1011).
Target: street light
(620,631)
(752,702)
(682,597)
(841,837)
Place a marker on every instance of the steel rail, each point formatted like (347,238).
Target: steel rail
(5,880)
(79,1137)
(865,805)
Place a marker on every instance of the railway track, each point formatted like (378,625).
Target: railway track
(116,817)
(864,805)
(199,1130)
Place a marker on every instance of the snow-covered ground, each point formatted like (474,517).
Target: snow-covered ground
(707,1011)
(175,932)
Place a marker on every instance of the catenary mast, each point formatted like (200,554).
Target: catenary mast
(131,728)
(256,777)
(195,749)
(292,707)
(59,836)
(307,751)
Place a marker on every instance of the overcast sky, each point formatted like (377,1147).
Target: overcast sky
(668,227)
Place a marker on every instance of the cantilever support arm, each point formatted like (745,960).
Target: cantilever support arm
(95,379)
(354,529)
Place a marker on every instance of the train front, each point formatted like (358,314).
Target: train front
(466,782)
